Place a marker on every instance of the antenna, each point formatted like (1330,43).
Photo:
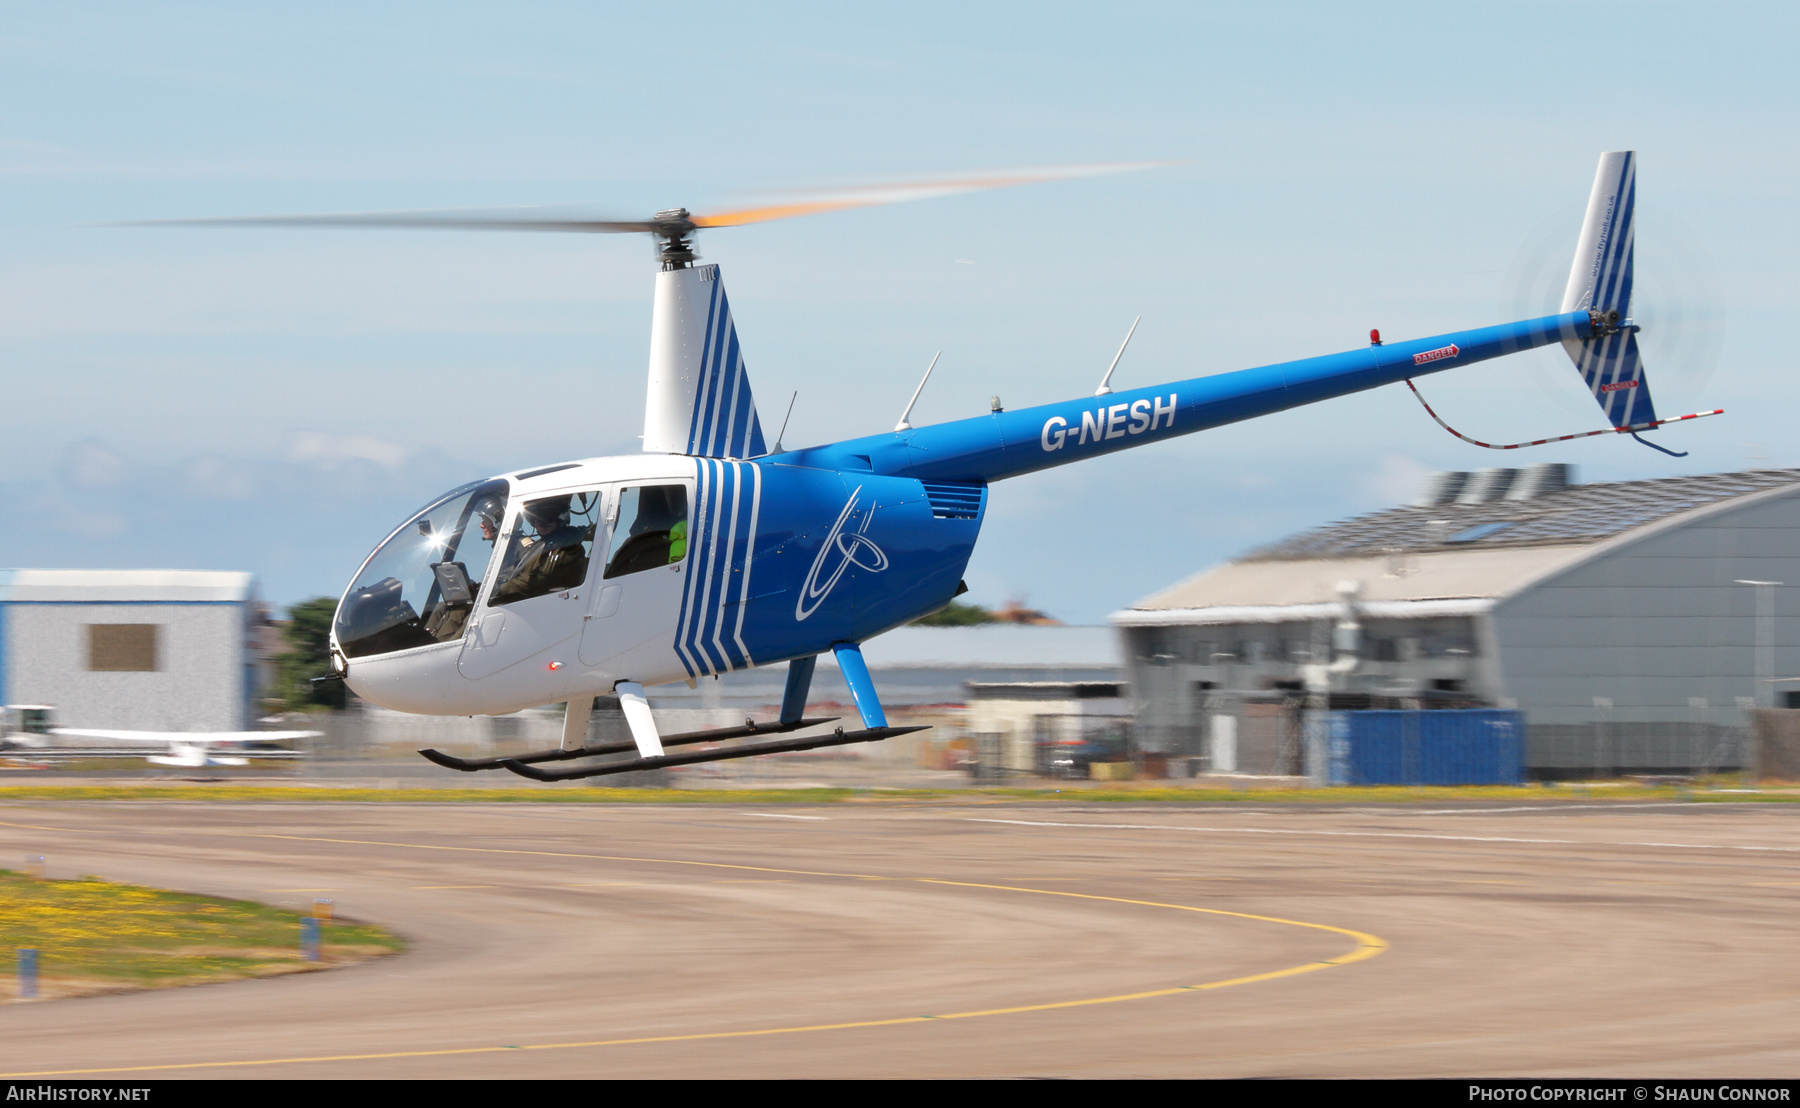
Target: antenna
(784,422)
(903,425)
(1105,388)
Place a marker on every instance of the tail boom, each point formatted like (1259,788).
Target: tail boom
(1008,444)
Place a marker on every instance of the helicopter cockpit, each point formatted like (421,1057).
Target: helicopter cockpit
(422,585)
(419,586)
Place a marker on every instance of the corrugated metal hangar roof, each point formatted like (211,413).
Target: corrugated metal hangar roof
(1582,514)
(1467,543)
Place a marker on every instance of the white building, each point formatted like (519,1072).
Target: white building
(1616,616)
(149,650)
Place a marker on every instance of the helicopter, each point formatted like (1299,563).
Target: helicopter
(713,551)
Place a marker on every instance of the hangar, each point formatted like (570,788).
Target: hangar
(133,649)
(1634,623)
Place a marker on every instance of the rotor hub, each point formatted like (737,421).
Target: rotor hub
(674,230)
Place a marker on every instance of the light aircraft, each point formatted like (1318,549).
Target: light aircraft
(189,749)
(714,552)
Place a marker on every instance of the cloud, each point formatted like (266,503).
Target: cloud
(217,478)
(1397,479)
(90,464)
(326,451)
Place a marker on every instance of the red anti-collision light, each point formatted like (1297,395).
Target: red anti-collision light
(1374,337)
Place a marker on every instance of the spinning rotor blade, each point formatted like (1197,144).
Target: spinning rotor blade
(866,196)
(448,219)
(676,222)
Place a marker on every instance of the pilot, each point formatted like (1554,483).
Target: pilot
(446,620)
(488,511)
(556,559)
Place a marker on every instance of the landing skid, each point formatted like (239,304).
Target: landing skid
(750,727)
(840,737)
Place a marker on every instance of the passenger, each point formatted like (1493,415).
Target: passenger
(657,535)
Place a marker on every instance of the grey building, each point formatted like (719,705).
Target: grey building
(149,650)
(1616,616)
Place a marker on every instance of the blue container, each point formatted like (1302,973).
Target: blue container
(309,938)
(27,973)
(1474,746)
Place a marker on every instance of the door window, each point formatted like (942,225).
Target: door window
(652,529)
(552,540)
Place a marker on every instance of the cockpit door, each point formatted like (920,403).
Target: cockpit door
(533,607)
(637,590)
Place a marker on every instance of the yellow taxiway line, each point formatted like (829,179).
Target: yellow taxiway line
(1367,946)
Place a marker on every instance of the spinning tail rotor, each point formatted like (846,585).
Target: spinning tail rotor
(1600,283)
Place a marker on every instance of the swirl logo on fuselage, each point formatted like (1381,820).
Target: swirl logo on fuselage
(847,544)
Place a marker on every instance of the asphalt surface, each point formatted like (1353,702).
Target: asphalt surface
(959,939)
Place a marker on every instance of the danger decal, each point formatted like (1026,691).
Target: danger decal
(1437,355)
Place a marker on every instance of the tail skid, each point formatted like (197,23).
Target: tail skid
(1631,430)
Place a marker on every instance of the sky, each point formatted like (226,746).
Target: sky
(278,400)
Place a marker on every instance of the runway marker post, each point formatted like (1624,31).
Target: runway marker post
(28,973)
(309,938)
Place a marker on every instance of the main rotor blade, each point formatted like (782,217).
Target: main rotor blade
(574,220)
(865,196)
(450,219)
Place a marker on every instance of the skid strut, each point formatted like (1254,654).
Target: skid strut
(649,746)
(688,738)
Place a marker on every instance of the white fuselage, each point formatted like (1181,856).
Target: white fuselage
(574,641)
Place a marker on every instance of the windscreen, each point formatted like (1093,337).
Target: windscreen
(419,586)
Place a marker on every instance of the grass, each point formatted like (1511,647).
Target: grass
(1121,792)
(96,936)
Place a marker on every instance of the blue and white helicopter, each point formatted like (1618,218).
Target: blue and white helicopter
(712,552)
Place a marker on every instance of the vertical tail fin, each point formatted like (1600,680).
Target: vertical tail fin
(1600,281)
(699,400)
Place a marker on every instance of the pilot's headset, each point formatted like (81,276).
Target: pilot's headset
(548,515)
(490,509)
